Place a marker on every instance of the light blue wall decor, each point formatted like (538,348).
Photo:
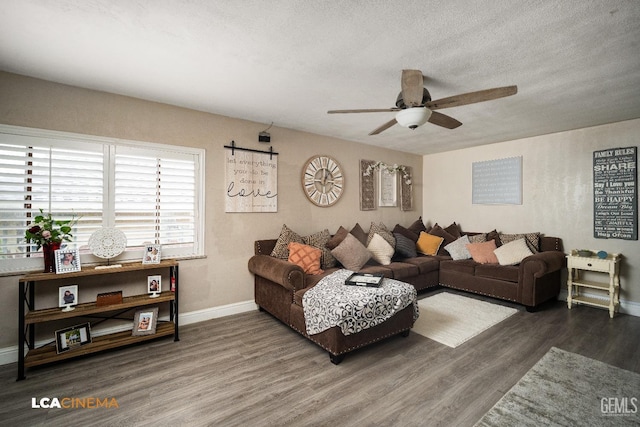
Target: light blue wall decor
(497,182)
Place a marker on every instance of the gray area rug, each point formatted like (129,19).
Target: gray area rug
(566,389)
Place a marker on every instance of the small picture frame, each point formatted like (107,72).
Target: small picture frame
(151,254)
(67,297)
(154,285)
(67,260)
(144,322)
(73,337)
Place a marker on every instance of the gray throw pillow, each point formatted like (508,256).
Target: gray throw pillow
(351,253)
(405,247)
(458,249)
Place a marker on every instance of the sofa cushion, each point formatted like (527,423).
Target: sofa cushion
(281,249)
(458,249)
(405,247)
(359,234)
(512,253)
(428,244)
(465,266)
(403,270)
(532,240)
(417,227)
(377,269)
(425,264)
(495,236)
(382,230)
(351,253)
(508,273)
(483,252)
(337,238)
(380,249)
(307,257)
(398,229)
(447,238)
(454,230)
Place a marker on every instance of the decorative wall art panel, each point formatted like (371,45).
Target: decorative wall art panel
(388,188)
(497,182)
(615,193)
(406,190)
(367,186)
(251,182)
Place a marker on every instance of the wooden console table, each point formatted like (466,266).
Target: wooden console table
(611,289)
(29,317)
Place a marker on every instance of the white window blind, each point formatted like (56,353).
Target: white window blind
(155,195)
(152,192)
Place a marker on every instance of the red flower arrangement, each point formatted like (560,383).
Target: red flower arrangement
(46,230)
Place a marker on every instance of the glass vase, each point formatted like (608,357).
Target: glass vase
(49,253)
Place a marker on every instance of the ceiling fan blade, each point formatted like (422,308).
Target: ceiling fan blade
(365,110)
(472,97)
(383,127)
(412,87)
(443,120)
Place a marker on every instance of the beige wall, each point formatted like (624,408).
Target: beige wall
(557,192)
(222,278)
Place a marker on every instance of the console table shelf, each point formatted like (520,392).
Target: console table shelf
(30,317)
(47,354)
(85,309)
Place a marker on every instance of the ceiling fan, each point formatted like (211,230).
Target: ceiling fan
(414,106)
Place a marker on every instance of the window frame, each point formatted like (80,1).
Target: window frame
(109,144)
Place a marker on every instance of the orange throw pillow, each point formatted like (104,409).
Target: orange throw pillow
(483,252)
(307,257)
(428,244)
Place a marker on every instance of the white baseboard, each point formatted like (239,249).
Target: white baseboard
(631,308)
(10,354)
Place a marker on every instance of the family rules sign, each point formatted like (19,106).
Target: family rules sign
(251,182)
(615,193)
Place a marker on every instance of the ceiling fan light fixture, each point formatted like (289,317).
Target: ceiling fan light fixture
(413,117)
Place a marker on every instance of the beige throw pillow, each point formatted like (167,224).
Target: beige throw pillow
(513,253)
(380,249)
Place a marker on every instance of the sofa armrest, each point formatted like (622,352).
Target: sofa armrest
(537,265)
(540,277)
(284,273)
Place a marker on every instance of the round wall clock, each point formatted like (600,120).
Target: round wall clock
(322,180)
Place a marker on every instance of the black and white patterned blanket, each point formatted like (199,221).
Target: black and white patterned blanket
(353,308)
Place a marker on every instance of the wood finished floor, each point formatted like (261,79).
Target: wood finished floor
(251,370)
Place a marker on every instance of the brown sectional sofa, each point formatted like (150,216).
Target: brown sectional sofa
(280,285)
(535,280)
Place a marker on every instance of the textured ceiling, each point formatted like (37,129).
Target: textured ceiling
(576,63)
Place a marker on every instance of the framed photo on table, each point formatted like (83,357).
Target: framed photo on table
(67,297)
(67,260)
(152,254)
(73,337)
(144,322)
(154,285)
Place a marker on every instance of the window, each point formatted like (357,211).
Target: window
(152,192)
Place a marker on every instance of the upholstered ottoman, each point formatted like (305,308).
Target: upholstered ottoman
(342,318)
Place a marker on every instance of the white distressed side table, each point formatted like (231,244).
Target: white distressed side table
(610,265)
